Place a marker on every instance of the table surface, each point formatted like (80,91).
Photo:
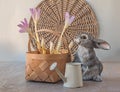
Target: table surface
(12,79)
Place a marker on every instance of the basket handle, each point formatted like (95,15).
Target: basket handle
(45,30)
(29,44)
(55,33)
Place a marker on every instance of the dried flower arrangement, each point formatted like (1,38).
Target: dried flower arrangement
(24,28)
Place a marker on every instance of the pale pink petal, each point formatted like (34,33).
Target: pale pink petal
(32,10)
(38,10)
(26,22)
(22,31)
(67,16)
(38,14)
(71,19)
(20,25)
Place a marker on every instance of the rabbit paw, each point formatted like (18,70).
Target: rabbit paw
(97,78)
(87,78)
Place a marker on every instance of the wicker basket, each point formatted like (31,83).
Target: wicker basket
(38,65)
(52,18)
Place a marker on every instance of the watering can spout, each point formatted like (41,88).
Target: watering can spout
(54,67)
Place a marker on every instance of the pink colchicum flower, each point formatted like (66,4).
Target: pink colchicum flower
(24,26)
(68,19)
(35,14)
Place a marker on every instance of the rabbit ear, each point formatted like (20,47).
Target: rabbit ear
(101,44)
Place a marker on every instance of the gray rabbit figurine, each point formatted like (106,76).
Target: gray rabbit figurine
(85,54)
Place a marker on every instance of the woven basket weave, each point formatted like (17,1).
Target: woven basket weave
(38,66)
(52,18)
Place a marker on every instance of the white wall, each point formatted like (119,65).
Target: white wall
(13,44)
(108,14)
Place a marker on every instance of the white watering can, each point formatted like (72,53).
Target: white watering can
(73,74)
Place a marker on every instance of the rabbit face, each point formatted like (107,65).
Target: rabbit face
(85,40)
(88,41)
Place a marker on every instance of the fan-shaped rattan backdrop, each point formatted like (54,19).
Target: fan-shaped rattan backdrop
(52,18)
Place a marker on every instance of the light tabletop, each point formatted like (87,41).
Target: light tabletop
(12,79)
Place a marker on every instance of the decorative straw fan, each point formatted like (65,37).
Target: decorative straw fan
(52,18)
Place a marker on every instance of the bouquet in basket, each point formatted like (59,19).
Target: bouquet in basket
(37,64)
(41,48)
